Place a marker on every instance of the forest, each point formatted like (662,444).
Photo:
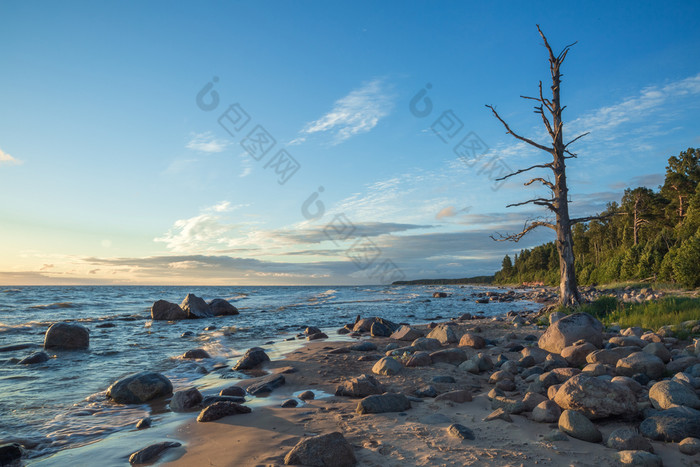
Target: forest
(650,235)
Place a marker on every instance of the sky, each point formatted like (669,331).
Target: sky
(317,143)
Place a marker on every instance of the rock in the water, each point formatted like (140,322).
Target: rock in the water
(406,333)
(459,396)
(460,432)
(641,362)
(669,393)
(570,329)
(233,391)
(689,446)
(361,386)
(221,307)
(195,354)
(639,459)
(10,453)
(546,412)
(472,340)
(382,403)
(150,453)
(67,336)
(595,397)
(673,424)
(252,358)
(380,330)
(316,336)
(38,357)
(185,400)
(144,423)
(164,310)
(265,384)
(289,404)
(195,307)
(387,366)
(365,324)
(141,387)
(221,409)
(330,450)
(577,425)
(628,439)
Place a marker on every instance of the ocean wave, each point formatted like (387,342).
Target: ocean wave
(12,291)
(52,306)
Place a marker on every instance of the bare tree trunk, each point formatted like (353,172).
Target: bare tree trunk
(636,222)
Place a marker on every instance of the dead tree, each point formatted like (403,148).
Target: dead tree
(558,202)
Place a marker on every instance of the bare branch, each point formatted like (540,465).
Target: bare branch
(544,182)
(578,220)
(538,166)
(549,203)
(526,229)
(521,138)
(577,138)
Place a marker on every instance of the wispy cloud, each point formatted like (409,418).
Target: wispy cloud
(6,159)
(356,113)
(200,233)
(207,142)
(648,180)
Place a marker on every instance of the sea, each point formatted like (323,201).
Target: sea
(58,409)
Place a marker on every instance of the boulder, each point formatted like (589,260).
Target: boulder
(307,396)
(185,400)
(641,362)
(38,357)
(361,386)
(316,336)
(365,324)
(532,400)
(595,397)
(627,341)
(658,349)
(419,359)
(151,453)
(365,346)
(577,425)
(139,388)
(454,356)
(380,330)
(289,403)
(639,459)
(195,307)
(163,310)
(673,424)
(329,450)
(425,343)
(575,355)
(235,391)
(472,340)
(221,409)
(570,329)
(680,364)
(689,446)
(460,432)
(265,385)
(387,366)
(195,354)
(669,393)
(406,333)
(221,307)
(382,403)
(444,334)
(628,439)
(9,453)
(546,412)
(252,358)
(67,336)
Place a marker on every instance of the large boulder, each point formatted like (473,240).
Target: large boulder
(669,393)
(626,439)
(610,356)
(579,426)
(387,366)
(221,409)
(360,386)
(139,388)
(365,324)
(444,334)
(595,397)
(570,329)
(67,336)
(673,424)
(641,362)
(382,403)
(575,355)
(38,357)
(252,358)
(472,340)
(164,310)
(195,307)
(185,400)
(10,453)
(221,307)
(330,450)
(406,333)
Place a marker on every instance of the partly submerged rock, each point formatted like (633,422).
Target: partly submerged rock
(195,307)
(221,409)
(252,358)
(164,310)
(67,336)
(150,453)
(141,387)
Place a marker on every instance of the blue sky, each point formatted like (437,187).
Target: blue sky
(112,173)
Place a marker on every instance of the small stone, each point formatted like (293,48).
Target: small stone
(443,379)
(498,414)
(307,396)
(10,453)
(365,346)
(222,409)
(144,423)
(639,459)
(459,396)
(460,432)
(252,358)
(185,400)
(195,354)
(689,446)
(387,402)
(289,403)
(556,435)
(426,391)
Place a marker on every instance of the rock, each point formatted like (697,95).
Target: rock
(532,400)
(330,450)
(141,387)
(689,446)
(209,400)
(628,439)
(38,357)
(598,369)
(439,294)
(556,316)
(185,400)
(195,354)
(10,453)
(265,385)
(221,307)
(426,391)
(641,362)
(639,459)
(425,343)
(577,425)
(472,340)
(310,330)
(289,403)
(152,452)
(460,432)
(669,393)
(365,346)
(546,412)
(510,405)
(365,325)
(673,424)
(555,435)
(361,386)
(575,355)
(236,391)
(596,398)
(195,307)
(658,349)
(447,379)
(538,354)
(144,423)
(406,333)
(450,355)
(419,359)
(633,385)
(316,336)
(67,336)
(252,358)
(498,414)
(444,334)
(163,310)
(380,330)
(459,396)
(570,329)
(387,402)
(387,366)
(680,364)
(627,341)
(221,409)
